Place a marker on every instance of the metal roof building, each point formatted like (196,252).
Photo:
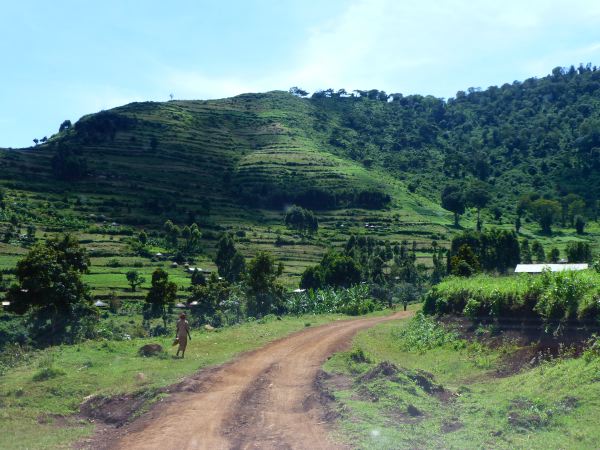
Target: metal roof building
(539,268)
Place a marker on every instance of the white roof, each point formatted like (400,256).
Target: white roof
(298,291)
(100,304)
(538,268)
(5,303)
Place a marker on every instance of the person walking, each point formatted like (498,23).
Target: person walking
(182,334)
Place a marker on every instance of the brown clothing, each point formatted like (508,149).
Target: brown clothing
(183,329)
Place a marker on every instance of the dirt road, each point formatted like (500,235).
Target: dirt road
(265,399)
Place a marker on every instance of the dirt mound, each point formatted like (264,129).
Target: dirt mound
(116,410)
(389,371)
(384,369)
(150,350)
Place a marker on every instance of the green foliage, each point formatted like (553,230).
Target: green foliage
(495,250)
(424,333)
(49,287)
(264,294)
(230,262)
(552,299)
(465,263)
(545,212)
(538,250)
(352,301)
(579,252)
(453,200)
(301,219)
(335,270)
(477,196)
(208,300)
(47,373)
(592,349)
(161,296)
(579,224)
(134,279)
(68,165)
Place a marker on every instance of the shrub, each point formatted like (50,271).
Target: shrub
(424,333)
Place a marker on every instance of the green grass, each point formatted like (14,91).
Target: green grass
(554,405)
(54,382)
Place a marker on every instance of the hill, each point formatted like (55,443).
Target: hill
(366,162)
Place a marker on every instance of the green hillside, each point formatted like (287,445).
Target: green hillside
(365,162)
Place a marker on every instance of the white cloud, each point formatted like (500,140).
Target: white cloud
(403,46)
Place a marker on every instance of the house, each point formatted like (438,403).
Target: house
(100,304)
(539,268)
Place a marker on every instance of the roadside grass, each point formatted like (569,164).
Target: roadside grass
(554,405)
(39,400)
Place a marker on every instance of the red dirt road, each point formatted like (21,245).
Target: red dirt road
(265,399)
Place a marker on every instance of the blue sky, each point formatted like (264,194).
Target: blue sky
(63,59)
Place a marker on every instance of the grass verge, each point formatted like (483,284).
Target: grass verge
(411,385)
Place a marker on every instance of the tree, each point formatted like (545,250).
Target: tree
(477,196)
(264,294)
(143,237)
(538,250)
(340,270)
(49,287)
(301,219)
(208,298)
(230,262)
(453,200)
(198,278)
(495,250)
(464,263)
(545,212)
(66,125)
(526,252)
(579,224)
(312,278)
(172,233)
(134,279)
(578,252)
(554,255)
(298,92)
(161,296)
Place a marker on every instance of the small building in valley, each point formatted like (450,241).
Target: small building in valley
(539,268)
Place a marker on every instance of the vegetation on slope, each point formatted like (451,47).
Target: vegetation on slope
(419,384)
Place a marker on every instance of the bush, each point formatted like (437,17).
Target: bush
(423,333)
(47,373)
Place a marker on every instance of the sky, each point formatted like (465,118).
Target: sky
(67,58)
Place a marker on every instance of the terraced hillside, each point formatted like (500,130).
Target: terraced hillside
(232,164)
(365,162)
